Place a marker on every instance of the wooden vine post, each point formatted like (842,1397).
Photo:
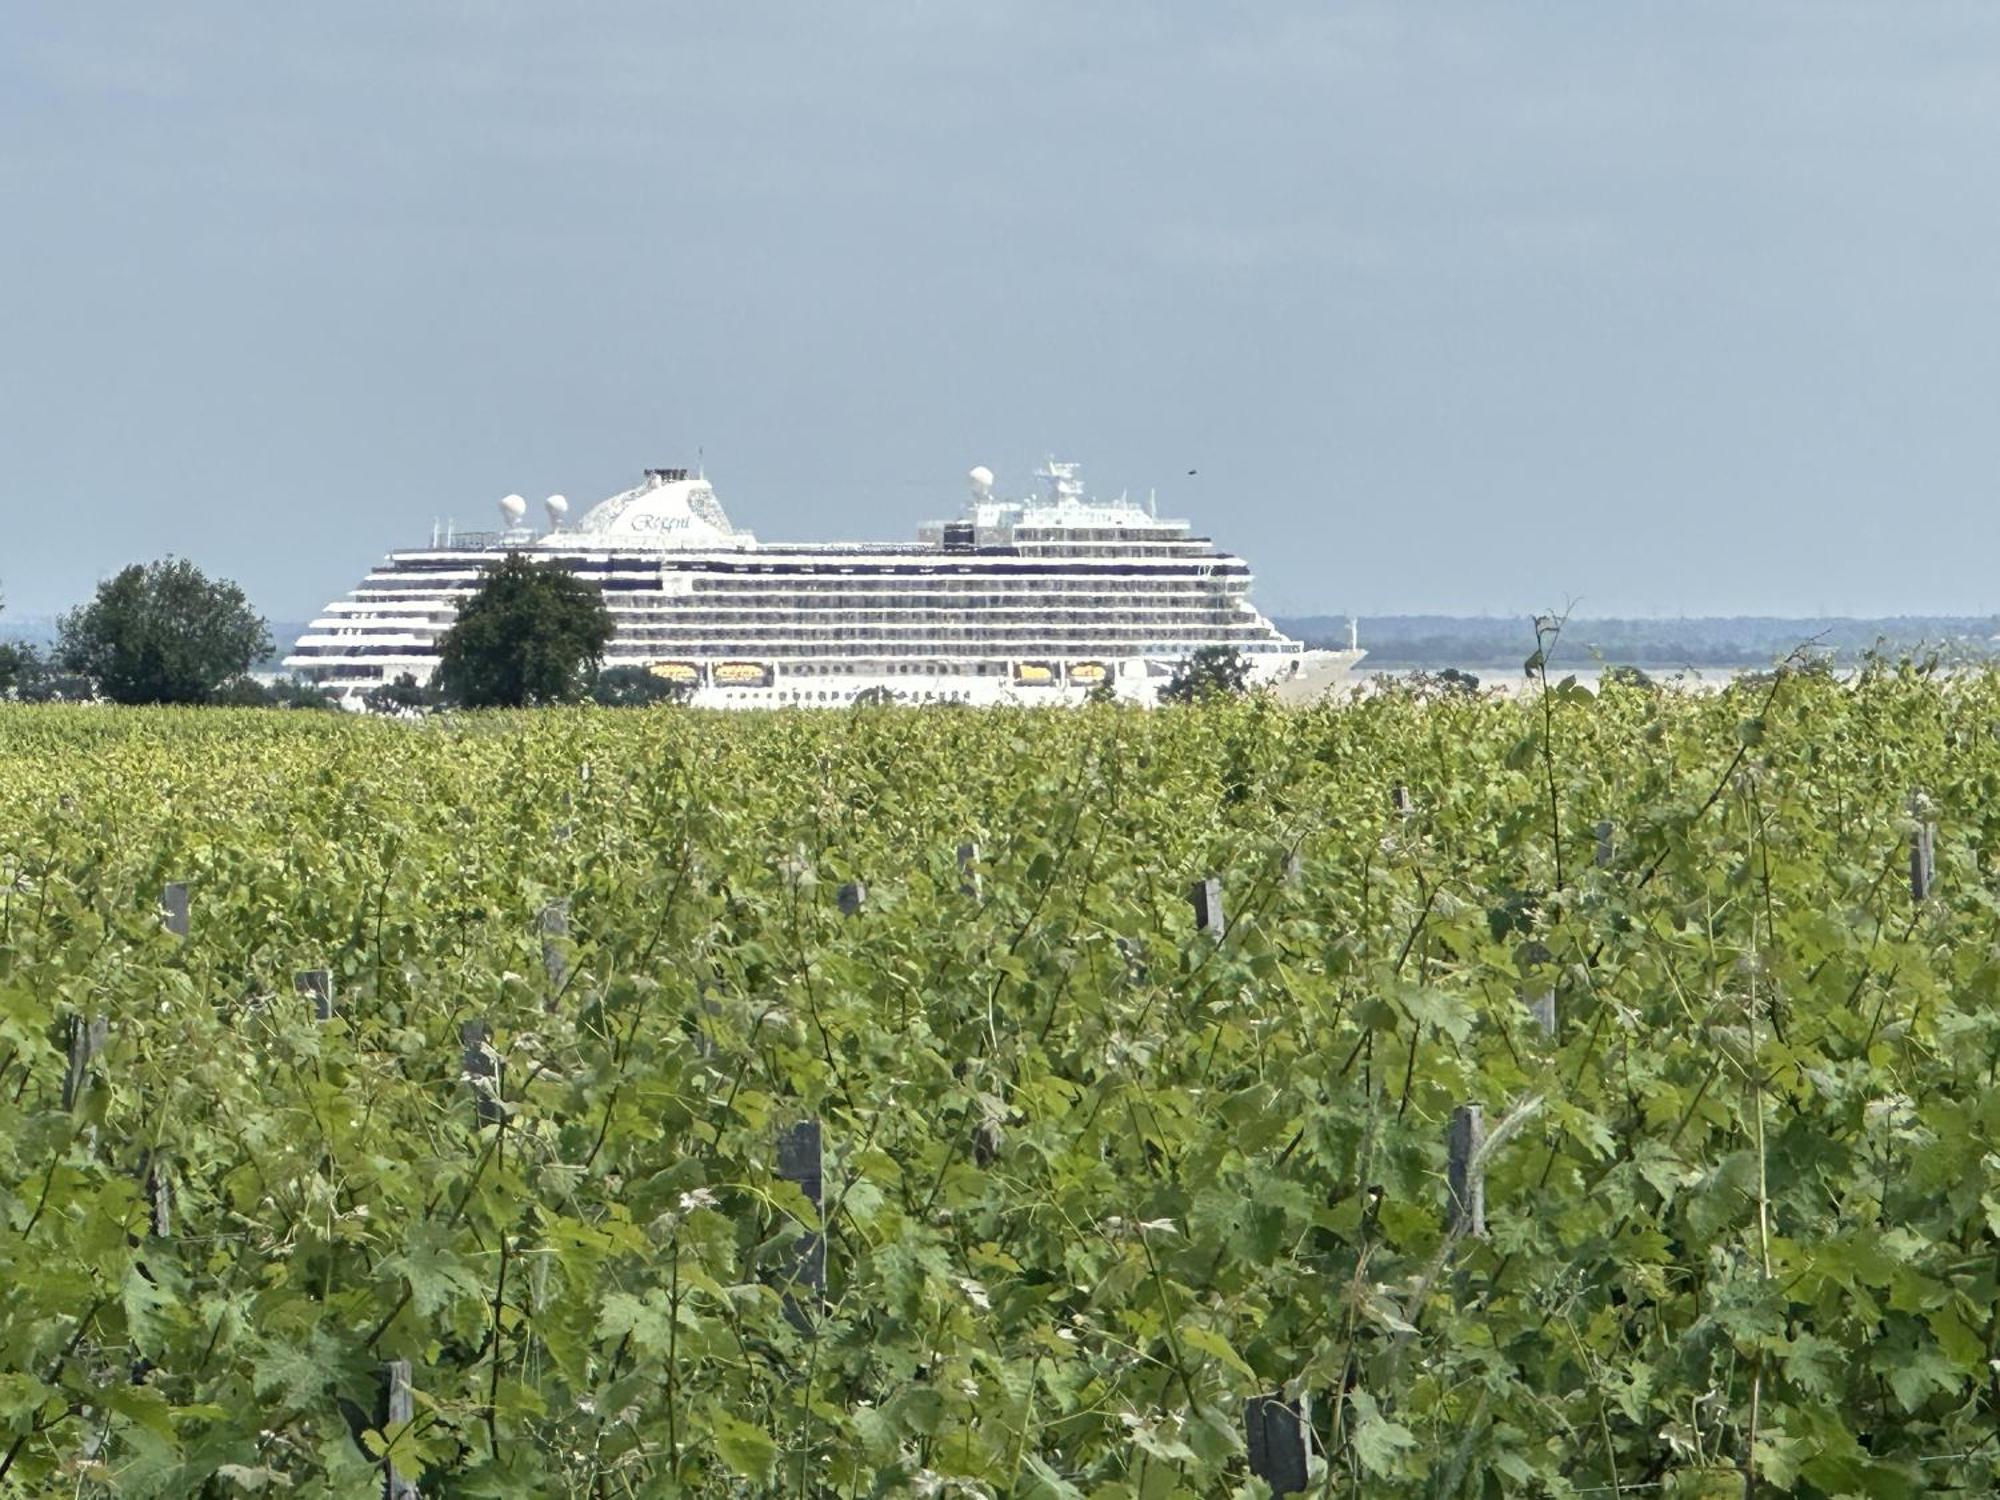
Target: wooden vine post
(1540,999)
(1399,798)
(317,986)
(968,871)
(481,1071)
(159,1196)
(1923,862)
(398,1409)
(987,1140)
(174,907)
(1464,1172)
(1274,1430)
(1605,848)
(86,1040)
(1538,992)
(554,923)
(1206,898)
(801,1162)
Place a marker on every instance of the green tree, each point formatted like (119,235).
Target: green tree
(533,633)
(32,676)
(17,663)
(1211,671)
(163,632)
(635,687)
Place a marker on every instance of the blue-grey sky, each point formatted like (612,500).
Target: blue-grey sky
(1454,307)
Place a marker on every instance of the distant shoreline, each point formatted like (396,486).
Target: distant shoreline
(1487,643)
(1499,644)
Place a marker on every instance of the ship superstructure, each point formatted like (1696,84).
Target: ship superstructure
(1028,601)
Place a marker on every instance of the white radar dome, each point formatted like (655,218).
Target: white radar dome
(512,509)
(557,506)
(982,481)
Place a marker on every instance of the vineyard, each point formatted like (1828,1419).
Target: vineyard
(1592,1095)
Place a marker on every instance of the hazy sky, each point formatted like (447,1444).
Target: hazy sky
(1663,308)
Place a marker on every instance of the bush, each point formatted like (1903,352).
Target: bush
(296,692)
(635,687)
(1213,671)
(404,696)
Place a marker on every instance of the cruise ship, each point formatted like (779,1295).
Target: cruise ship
(1047,599)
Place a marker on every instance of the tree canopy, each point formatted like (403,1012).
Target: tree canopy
(1211,670)
(163,632)
(532,633)
(17,663)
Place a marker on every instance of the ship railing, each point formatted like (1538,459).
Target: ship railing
(469,541)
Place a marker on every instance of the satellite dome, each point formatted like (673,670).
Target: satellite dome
(982,481)
(557,507)
(512,509)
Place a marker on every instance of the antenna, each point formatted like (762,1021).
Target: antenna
(700,469)
(1153,502)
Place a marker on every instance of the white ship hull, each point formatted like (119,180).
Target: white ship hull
(1038,602)
(1303,678)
